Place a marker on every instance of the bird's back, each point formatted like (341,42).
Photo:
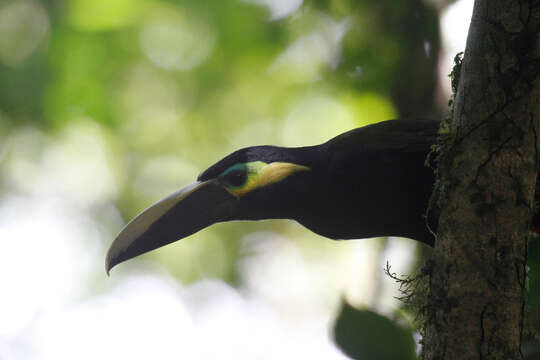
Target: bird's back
(377,183)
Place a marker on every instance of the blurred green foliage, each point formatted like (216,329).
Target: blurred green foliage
(169,87)
(364,334)
(113,104)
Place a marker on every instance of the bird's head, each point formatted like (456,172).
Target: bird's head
(249,184)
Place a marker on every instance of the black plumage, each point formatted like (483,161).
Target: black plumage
(367,182)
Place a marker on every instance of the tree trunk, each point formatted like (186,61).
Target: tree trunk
(485,189)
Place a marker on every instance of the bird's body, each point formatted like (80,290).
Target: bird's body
(386,175)
(367,182)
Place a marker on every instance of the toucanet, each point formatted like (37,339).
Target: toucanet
(367,182)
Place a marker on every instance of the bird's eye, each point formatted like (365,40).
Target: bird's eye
(236,177)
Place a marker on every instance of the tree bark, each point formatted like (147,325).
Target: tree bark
(486,182)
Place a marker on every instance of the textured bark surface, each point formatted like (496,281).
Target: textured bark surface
(487,176)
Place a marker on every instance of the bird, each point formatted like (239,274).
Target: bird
(368,182)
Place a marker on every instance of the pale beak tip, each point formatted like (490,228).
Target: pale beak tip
(108,264)
(107,268)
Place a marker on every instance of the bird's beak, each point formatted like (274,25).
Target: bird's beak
(174,217)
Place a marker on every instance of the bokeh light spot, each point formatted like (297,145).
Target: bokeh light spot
(99,15)
(279,9)
(315,119)
(308,55)
(177,43)
(23,27)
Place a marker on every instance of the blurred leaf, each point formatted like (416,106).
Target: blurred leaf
(364,334)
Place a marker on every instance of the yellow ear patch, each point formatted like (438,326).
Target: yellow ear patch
(261,174)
